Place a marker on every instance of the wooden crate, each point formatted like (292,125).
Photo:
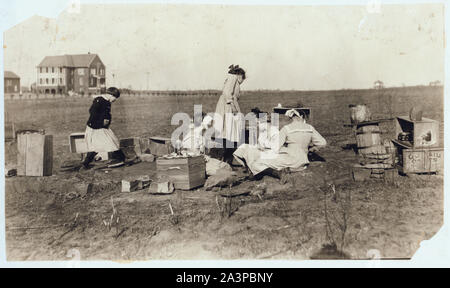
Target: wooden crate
(184,173)
(77,143)
(160,146)
(35,154)
(423,160)
(131,146)
(425,133)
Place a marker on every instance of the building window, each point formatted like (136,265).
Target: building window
(81,82)
(53,80)
(8,82)
(60,81)
(53,69)
(93,71)
(102,72)
(40,69)
(61,70)
(40,81)
(80,71)
(46,69)
(46,80)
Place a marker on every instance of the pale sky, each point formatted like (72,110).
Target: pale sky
(280,47)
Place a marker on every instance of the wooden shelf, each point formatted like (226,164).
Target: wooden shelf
(404,144)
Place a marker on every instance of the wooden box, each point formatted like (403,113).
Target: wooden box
(35,154)
(131,146)
(424,133)
(422,160)
(184,173)
(77,143)
(160,146)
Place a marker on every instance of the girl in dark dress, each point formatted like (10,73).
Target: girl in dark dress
(99,137)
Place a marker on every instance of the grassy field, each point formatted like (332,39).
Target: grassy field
(294,221)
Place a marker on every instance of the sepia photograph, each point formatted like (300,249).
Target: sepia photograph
(214,131)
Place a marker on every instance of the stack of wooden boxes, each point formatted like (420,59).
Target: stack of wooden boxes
(376,159)
(418,146)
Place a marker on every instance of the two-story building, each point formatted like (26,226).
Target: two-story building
(12,82)
(81,74)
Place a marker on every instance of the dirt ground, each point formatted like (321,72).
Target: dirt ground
(319,213)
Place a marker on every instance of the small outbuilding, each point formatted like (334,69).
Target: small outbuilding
(12,82)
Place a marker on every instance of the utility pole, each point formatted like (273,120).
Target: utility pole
(148,75)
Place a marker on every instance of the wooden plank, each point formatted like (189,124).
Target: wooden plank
(35,153)
(404,144)
(181,161)
(22,154)
(48,156)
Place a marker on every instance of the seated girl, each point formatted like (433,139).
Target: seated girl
(292,149)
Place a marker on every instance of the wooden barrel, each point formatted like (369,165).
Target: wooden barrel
(368,136)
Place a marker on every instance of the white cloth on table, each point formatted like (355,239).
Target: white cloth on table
(101,140)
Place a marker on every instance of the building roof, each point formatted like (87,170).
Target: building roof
(82,60)
(9,74)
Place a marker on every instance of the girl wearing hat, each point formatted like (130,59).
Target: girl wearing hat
(99,137)
(292,150)
(228,121)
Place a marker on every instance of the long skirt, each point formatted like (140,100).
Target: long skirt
(256,160)
(229,126)
(101,140)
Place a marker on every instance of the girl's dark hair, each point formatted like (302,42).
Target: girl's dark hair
(235,69)
(258,112)
(113,91)
(302,113)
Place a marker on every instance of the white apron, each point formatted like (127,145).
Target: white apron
(101,140)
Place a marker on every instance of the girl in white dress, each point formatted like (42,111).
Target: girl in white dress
(228,120)
(292,150)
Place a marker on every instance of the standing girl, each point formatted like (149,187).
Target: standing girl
(99,137)
(228,121)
